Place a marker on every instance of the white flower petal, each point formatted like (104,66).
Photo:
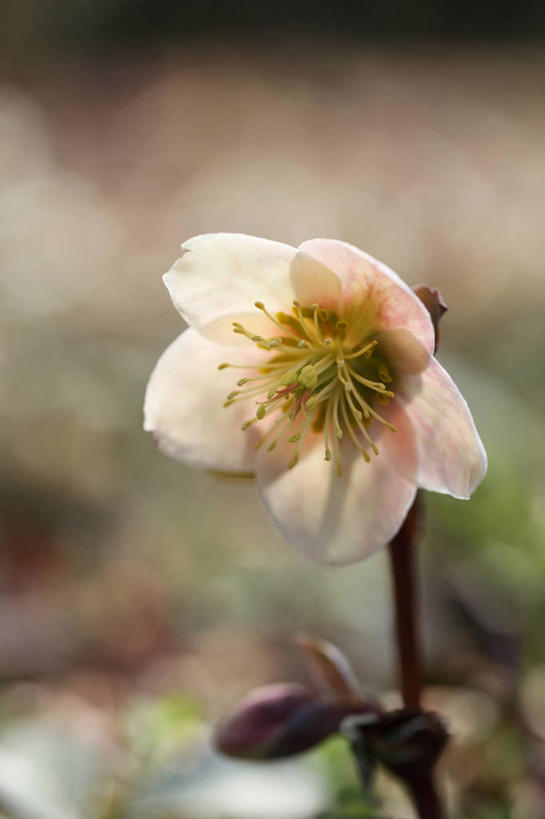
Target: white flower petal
(184,404)
(330,519)
(401,445)
(451,456)
(223,273)
(313,283)
(222,331)
(364,278)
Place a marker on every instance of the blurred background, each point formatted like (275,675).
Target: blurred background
(139,599)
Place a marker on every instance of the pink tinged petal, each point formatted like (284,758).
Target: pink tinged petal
(402,351)
(364,280)
(184,404)
(223,273)
(401,446)
(332,519)
(451,456)
(313,283)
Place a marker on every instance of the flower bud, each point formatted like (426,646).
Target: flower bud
(431,299)
(278,721)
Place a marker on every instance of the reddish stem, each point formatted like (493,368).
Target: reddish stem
(402,552)
(403,556)
(425,797)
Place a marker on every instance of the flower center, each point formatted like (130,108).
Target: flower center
(315,380)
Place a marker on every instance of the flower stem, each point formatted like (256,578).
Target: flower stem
(403,554)
(425,797)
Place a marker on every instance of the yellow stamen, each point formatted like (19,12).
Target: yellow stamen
(311,378)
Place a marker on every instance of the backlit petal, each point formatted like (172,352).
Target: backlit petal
(451,456)
(330,519)
(224,273)
(314,283)
(184,404)
(365,280)
(222,329)
(403,352)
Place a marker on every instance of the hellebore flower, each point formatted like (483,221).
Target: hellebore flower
(313,369)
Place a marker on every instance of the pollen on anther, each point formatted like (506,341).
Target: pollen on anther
(384,374)
(289,378)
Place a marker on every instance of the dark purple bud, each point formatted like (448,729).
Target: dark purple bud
(278,721)
(431,298)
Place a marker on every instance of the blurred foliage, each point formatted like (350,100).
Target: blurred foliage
(98,25)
